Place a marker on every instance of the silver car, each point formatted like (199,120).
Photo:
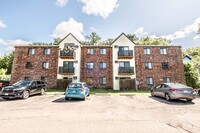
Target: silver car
(171,91)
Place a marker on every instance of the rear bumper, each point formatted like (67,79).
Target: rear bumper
(183,96)
(80,96)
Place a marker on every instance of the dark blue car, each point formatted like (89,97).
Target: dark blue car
(78,90)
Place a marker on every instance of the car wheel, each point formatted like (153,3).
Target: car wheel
(152,94)
(42,91)
(167,97)
(25,94)
(189,100)
(66,98)
(88,95)
(83,99)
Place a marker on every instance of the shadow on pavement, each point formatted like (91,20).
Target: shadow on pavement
(172,102)
(62,100)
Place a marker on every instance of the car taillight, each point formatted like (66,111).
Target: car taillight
(173,90)
(82,89)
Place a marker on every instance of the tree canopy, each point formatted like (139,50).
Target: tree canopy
(6,63)
(93,38)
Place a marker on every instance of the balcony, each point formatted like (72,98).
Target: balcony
(70,54)
(66,71)
(126,70)
(125,54)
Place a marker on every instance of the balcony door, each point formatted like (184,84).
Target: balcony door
(68,65)
(124,50)
(124,64)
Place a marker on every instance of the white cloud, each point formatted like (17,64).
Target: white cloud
(8,46)
(66,27)
(2,25)
(140,32)
(93,29)
(99,7)
(189,29)
(196,37)
(61,3)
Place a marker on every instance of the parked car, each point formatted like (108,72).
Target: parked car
(77,90)
(174,91)
(4,83)
(23,89)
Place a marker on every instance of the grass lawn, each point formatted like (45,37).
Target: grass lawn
(97,91)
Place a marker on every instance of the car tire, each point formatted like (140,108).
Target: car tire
(189,100)
(42,92)
(88,95)
(167,97)
(25,94)
(66,98)
(152,94)
(83,99)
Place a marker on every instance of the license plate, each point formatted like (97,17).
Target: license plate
(6,94)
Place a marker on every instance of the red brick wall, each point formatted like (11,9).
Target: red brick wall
(173,56)
(96,72)
(21,57)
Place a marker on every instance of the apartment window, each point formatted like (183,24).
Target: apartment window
(148,65)
(45,65)
(90,65)
(166,80)
(124,64)
(149,81)
(146,51)
(44,79)
(102,80)
(102,50)
(164,65)
(90,51)
(27,78)
(46,51)
(163,51)
(102,65)
(31,51)
(29,65)
(89,80)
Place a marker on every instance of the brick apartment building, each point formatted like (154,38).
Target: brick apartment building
(102,66)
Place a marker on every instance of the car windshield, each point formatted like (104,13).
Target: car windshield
(22,83)
(178,86)
(75,85)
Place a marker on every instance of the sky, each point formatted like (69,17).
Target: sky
(25,21)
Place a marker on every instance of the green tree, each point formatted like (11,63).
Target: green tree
(108,41)
(191,76)
(133,37)
(2,73)
(153,41)
(56,41)
(6,63)
(93,38)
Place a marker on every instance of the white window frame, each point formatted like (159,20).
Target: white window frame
(102,50)
(45,65)
(148,65)
(102,80)
(167,79)
(102,65)
(90,51)
(149,81)
(163,51)
(147,51)
(31,51)
(47,51)
(90,65)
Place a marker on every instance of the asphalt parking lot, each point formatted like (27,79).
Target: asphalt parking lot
(99,113)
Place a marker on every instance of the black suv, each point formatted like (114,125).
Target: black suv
(23,89)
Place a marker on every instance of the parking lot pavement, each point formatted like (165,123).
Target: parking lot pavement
(99,113)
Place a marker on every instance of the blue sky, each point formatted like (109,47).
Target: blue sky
(26,21)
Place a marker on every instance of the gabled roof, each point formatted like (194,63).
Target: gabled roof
(186,56)
(69,35)
(120,36)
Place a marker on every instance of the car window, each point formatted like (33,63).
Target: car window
(33,83)
(158,86)
(38,82)
(22,83)
(178,86)
(75,85)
